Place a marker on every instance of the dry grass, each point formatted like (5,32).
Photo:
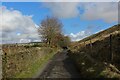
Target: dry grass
(18,60)
(97,47)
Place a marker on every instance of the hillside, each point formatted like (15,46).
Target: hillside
(103,33)
(95,54)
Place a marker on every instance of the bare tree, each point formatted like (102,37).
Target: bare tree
(50,28)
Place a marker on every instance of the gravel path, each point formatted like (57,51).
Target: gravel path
(60,66)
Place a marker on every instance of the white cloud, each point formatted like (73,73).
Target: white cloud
(16,27)
(25,40)
(63,9)
(99,31)
(37,41)
(105,11)
(80,35)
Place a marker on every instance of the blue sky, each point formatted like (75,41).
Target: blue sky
(79,19)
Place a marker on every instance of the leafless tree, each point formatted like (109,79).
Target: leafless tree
(49,30)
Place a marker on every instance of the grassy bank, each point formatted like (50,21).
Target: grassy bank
(34,68)
(24,61)
(98,55)
(91,68)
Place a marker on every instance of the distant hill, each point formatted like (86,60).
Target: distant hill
(103,33)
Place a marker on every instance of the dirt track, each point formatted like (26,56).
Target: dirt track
(60,66)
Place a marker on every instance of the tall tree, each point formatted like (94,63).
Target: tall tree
(50,28)
(64,41)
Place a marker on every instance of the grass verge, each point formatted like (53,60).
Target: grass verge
(36,66)
(93,69)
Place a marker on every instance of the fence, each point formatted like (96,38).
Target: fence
(106,48)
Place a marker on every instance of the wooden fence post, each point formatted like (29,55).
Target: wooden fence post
(85,46)
(111,54)
(91,47)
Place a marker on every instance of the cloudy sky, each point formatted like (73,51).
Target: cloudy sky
(20,20)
